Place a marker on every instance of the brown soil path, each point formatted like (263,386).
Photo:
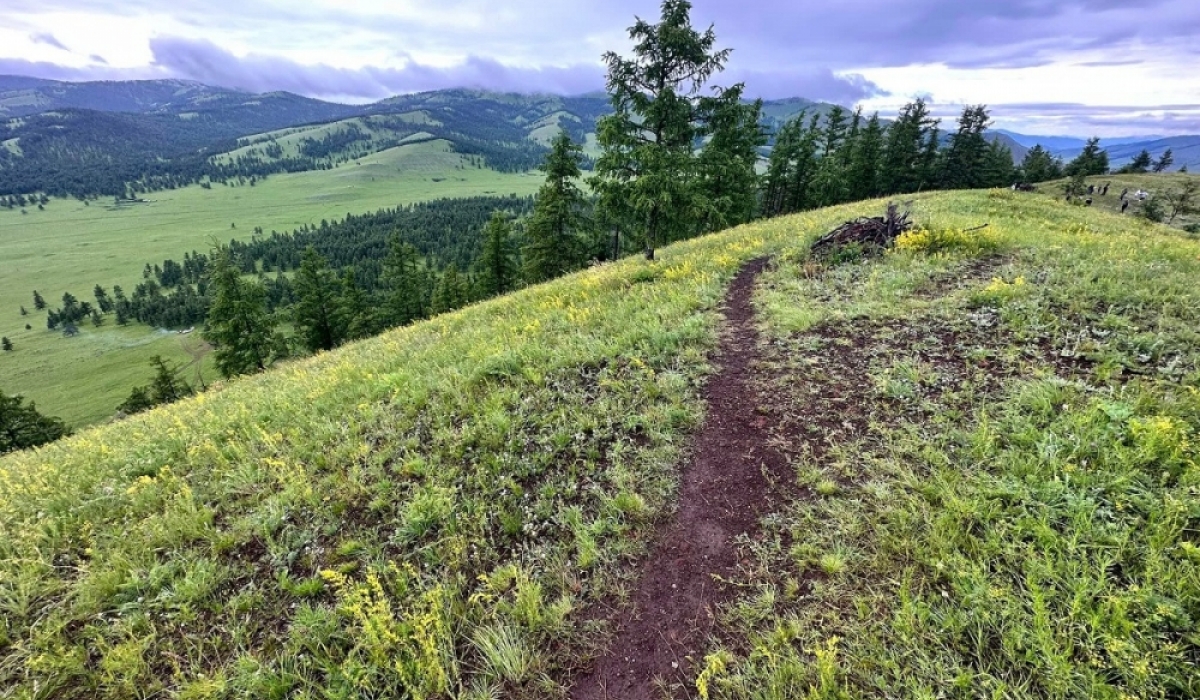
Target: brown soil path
(725,488)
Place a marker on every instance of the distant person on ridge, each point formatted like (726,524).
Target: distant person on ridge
(1104,192)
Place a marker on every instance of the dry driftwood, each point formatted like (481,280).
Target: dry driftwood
(869,234)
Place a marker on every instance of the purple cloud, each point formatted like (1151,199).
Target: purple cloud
(47,39)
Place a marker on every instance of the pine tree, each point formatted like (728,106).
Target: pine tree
(165,387)
(553,245)
(138,400)
(316,312)
(356,309)
(829,184)
(1092,160)
(24,311)
(497,270)
(865,161)
(451,293)
(6,344)
(238,324)
(102,300)
(403,278)
(965,158)
(908,147)
(727,165)
(1040,166)
(648,163)
(1165,161)
(38,302)
(22,427)
(997,169)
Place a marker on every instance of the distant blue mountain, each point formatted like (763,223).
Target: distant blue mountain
(1065,143)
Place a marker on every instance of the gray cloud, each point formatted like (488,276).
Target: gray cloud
(96,58)
(206,62)
(47,39)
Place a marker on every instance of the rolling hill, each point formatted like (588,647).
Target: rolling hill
(976,468)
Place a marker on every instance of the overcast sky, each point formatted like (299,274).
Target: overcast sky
(1079,67)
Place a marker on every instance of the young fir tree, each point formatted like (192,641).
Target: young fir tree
(553,245)
(316,311)
(496,267)
(728,178)
(38,302)
(1165,161)
(356,309)
(166,387)
(648,162)
(997,169)
(24,311)
(404,280)
(238,324)
(6,344)
(138,400)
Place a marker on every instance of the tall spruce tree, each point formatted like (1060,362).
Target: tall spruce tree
(316,312)
(496,266)
(405,280)
(238,324)
(553,244)
(647,163)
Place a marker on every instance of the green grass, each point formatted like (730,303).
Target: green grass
(72,247)
(428,513)
(289,139)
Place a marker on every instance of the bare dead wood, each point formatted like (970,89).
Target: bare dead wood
(870,235)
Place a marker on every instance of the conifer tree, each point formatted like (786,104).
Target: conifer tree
(24,311)
(355,308)
(451,293)
(22,426)
(1165,161)
(997,169)
(403,276)
(865,161)
(728,175)
(964,160)
(1092,160)
(166,387)
(102,299)
(829,183)
(908,150)
(648,164)
(553,246)
(317,314)
(238,324)
(496,266)
(38,302)
(6,344)
(1039,166)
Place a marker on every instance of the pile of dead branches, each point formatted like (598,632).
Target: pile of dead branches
(867,235)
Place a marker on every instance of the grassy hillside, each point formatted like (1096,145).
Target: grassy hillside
(72,247)
(995,496)
(1150,182)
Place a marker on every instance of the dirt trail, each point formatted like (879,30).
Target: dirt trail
(725,488)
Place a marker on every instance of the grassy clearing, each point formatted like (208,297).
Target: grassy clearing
(73,247)
(1012,510)
(427,513)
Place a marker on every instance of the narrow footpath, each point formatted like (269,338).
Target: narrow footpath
(726,486)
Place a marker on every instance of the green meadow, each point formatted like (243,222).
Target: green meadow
(994,438)
(70,246)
